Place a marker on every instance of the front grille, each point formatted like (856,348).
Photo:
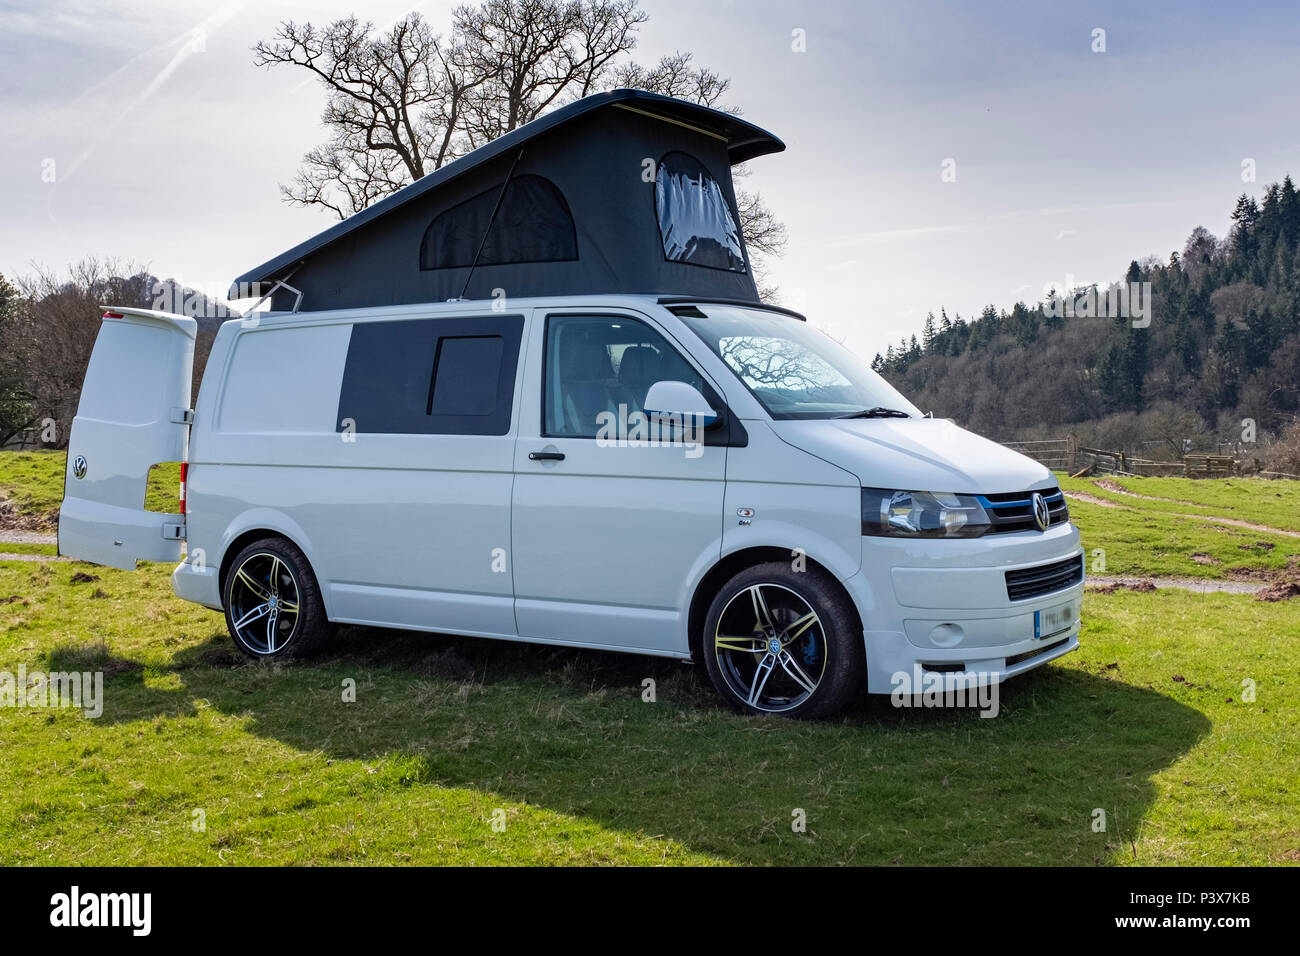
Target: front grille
(1014,511)
(1044,578)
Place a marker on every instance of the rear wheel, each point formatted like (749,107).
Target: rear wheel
(273,604)
(777,641)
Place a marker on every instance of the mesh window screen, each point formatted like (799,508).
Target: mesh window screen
(533,225)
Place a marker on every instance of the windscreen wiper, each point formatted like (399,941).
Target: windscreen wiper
(877,412)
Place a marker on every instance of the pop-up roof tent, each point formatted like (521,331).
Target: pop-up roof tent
(620,192)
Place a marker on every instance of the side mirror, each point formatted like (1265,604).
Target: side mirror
(681,402)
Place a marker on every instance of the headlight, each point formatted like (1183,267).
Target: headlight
(922,514)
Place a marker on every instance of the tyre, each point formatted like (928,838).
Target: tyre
(777,641)
(273,605)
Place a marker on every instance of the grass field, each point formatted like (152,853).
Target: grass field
(1275,504)
(446,737)
(1162,538)
(33,482)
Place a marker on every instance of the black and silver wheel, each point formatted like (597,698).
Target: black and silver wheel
(777,641)
(272,601)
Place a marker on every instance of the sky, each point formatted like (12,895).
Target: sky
(938,155)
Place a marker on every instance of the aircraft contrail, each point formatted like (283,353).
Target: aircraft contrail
(187,49)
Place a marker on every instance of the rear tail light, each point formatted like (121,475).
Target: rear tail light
(113,315)
(185,471)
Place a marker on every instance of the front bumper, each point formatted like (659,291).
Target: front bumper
(943,605)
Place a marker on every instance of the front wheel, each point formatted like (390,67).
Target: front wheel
(273,604)
(777,641)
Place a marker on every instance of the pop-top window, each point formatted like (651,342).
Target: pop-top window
(695,220)
(532,225)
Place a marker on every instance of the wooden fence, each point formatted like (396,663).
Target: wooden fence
(1054,452)
(1066,454)
(1210,466)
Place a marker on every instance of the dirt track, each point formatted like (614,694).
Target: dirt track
(1183,584)
(1216,519)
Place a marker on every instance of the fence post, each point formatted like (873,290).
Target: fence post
(1071,454)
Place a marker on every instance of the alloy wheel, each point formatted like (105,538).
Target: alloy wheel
(770,648)
(264,603)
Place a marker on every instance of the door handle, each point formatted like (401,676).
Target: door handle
(546,456)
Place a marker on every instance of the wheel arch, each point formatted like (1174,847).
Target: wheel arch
(247,537)
(237,544)
(729,566)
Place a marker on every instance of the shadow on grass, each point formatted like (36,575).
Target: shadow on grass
(571,731)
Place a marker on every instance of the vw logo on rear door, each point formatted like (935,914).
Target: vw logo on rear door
(79,466)
(1042,514)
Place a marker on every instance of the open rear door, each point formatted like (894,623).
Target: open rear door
(134,413)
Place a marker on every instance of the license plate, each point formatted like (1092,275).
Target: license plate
(1054,620)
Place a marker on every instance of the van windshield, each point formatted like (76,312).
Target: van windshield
(793,370)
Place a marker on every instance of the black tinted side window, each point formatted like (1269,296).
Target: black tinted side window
(431,376)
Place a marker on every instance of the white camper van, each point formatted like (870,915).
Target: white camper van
(535,396)
(458,469)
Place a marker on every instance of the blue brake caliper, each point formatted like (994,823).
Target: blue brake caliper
(810,653)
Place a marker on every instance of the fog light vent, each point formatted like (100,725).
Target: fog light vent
(946,635)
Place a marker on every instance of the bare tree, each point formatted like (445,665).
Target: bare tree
(535,54)
(675,75)
(1284,454)
(1171,425)
(1201,249)
(406,101)
(765,235)
(16,398)
(58,322)
(394,107)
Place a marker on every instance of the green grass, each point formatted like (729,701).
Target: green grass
(586,772)
(1137,541)
(444,733)
(162,491)
(1273,504)
(33,481)
(48,550)
(1234,797)
(1154,539)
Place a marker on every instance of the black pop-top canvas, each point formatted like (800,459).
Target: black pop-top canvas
(620,192)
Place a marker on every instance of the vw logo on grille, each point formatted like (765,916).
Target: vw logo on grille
(79,466)
(1042,514)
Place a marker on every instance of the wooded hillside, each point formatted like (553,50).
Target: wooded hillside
(1222,346)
